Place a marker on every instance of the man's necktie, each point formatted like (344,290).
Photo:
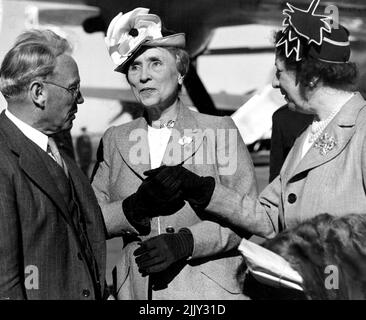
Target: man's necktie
(55,154)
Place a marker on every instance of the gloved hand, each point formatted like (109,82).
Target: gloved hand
(195,189)
(151,200)
(158,253)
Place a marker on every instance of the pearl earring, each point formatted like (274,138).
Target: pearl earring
(180,79)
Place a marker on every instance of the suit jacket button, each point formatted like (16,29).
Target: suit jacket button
(292,198)
(86,293)
(169,230)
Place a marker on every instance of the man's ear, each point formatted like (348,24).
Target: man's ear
(38,94)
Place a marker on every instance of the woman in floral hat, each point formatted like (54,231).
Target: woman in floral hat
(150,184)
(326,169)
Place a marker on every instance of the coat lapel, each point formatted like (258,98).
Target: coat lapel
(293,157)
(185,140)
(341,129)
(133,146)
(31,163)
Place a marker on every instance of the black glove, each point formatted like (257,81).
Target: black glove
(158,253)
(152,200)
(196,190)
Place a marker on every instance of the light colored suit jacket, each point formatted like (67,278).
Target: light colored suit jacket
(331,182)
(205,150)
(40,252)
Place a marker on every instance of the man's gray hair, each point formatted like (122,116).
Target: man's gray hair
(33,57)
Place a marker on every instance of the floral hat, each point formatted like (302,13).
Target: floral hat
(128,32)
(306,33)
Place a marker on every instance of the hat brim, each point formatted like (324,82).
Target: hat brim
(177,40)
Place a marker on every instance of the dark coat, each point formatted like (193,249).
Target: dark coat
(286,127)
(37,234)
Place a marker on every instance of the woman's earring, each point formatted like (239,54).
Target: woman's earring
(314,82)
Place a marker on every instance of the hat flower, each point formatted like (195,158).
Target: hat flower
(127,32)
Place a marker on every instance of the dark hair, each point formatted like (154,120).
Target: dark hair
(325,242)
(335,75)
(181,58)
(33,56)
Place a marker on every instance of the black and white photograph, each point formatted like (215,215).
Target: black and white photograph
(182,154)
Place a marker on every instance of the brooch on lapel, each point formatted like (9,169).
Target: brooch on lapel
(185,140)
(325,143)
(169,124)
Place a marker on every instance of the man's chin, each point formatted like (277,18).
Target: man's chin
(68,125)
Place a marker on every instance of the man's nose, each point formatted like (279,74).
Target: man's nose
(79,98)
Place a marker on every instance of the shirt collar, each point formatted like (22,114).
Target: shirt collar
(36,136)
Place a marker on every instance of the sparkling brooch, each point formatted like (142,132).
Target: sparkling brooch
(185,140)
(169,124)
(325,144)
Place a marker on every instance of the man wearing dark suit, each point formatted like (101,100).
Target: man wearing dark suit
(286,127)
(52,234)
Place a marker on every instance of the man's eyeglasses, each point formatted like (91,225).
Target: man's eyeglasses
(74,91)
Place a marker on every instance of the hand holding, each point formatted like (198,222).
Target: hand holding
(195,189)
(158,253)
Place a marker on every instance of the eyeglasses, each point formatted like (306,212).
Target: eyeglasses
(74,91)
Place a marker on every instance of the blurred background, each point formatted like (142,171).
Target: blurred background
(231,47)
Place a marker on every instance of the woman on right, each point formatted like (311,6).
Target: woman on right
(326,169)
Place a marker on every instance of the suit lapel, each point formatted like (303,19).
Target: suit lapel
(294,157)
(133,146)
(341,129)
(74,175)
(185,140)
(31,162)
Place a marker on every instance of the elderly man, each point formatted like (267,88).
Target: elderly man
(52,235)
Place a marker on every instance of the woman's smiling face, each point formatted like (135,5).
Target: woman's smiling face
(293,92)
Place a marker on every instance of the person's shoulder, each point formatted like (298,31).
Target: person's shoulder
(121,129)
(361,118)
(4,144)
(7,157)
(284,114)
(281,111)
(209,121)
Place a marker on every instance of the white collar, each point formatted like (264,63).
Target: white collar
(36,136)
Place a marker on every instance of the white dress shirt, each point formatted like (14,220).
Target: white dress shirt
(158,141)
(36,136)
